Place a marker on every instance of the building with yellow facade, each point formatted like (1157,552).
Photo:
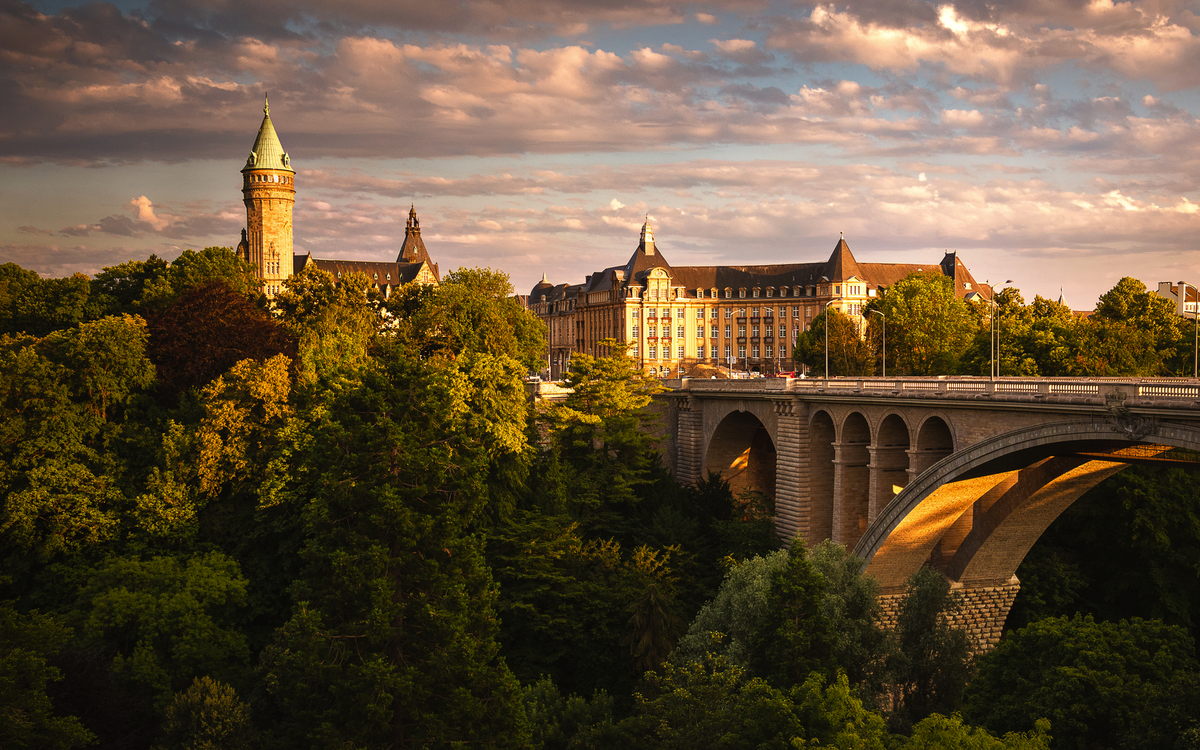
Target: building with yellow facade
(745,318)
(269,192)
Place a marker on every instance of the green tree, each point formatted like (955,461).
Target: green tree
(849,354)
(928,328)
(196,269)
(793,637)
(36,306)
(939,732)
(735,612)
(851,606)
(166,619)
(930,663)
(207,716)
(124,288)
(1102,684)
(393,637)
(27,717)
(473,310)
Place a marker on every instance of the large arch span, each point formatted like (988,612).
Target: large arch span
(975,513)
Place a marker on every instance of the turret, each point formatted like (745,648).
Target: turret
(269,192)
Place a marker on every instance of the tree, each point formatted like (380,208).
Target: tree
(939,732)
(36,306)
(849,354)
(166,619)
(392,641)
(601,431)
(930,663)
(928,327)
(793,637)
(196,269)
(1102,684)
(207,716)
(27,717)
(125,287)
(735,612)
(205,332)
(851,606)
(473,310)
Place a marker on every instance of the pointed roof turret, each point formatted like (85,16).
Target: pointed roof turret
(268,152)
(841,265)
(413,250)
(647,242)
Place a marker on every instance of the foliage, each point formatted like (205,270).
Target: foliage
(123,288)
(207,716)
(393,638)
(848,353)
(1126,684)
(928,327)
(793,637)
(166,619)
(735,612)
(473,310)
(205,332)
(851,607)
(930,663)
(939,732)
(558,721)
(27,716)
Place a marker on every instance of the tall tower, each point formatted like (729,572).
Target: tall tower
(269,191)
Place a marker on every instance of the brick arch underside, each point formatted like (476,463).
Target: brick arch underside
(975,514)
(742,451)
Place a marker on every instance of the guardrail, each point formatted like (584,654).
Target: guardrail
(1116,389)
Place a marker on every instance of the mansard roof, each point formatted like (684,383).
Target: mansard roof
(377,272)
(268,152)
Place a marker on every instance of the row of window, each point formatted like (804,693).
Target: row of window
(710,352)
(282,179)
(715,331)
(727,293)
(767,312)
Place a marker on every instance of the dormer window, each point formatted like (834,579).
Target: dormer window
(769,291)
(728,293)
(756,292)
(741,294)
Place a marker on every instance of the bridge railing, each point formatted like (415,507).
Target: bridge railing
(1181,389)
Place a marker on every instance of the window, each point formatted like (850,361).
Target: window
(635,330)
(727,330)
(782,332)
(728,352)
(700,331)
(729,312)
(681,331)
(679,312)
(770,352)
(634,350)
(741,332)
(651,331)
(756,292)
(700,351)
(716,331)
(742,352)
(795,312)
(754,312)
(754,351)
(635,314)
(742,294)
(666,312)
(728,293)
(837,289)
(681,352)
(714,314)
(653,352)
(754,331)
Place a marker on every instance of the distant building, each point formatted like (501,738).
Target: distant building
(1183,296)
(269,192)
(677,317)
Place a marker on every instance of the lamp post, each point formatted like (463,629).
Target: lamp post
(1183,286)
(994,333)
(884,340)
(827,304)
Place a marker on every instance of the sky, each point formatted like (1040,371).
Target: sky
(1051,142)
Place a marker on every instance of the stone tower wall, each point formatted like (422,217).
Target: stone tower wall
(269,195)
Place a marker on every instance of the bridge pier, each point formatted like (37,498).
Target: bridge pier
(791,466)
(982,611)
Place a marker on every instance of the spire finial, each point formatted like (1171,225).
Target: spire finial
(841,235)
(543,276)
(266,105)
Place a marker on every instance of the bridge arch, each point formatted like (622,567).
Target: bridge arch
(974,514)
(852,478)
(822,435)
(742,450)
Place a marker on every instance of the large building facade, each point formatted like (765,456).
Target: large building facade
(269,192)
(682,319)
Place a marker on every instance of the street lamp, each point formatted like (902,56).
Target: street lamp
(827,304)
(994,333)
(884,340)
(1183,285)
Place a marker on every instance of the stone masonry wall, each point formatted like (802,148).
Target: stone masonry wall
(982,612)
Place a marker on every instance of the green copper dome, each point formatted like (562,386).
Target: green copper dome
(268,152)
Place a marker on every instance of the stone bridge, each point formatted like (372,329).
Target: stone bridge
(961,474)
